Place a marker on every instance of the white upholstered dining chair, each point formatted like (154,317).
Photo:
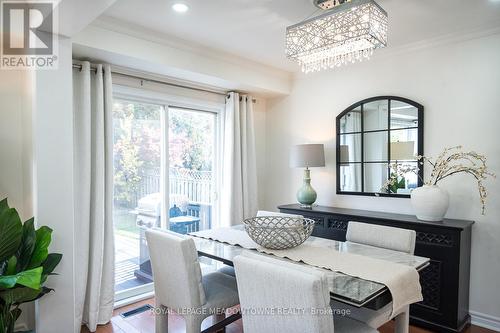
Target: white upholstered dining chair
(391,238)
(278,296)
(179,284)
(262,213)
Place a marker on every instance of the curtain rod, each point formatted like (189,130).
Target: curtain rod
(79,66)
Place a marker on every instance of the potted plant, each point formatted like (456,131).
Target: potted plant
(430,201)
(25,264)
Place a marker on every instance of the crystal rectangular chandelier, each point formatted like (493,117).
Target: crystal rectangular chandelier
(347,33)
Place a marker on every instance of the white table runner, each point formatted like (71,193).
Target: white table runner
(401,280)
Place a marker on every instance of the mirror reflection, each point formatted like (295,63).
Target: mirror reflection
(372,135)
(375,115)
(350,148)
(403,115)
(375,176)
(375,146)
(351,122)
(350,175)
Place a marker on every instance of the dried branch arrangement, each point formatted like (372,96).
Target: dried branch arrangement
(451,161)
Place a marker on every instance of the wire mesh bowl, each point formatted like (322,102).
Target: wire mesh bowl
(279,232)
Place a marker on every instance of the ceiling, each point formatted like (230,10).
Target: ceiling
(255,29)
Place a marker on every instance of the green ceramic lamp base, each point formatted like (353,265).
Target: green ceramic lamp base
(306,195)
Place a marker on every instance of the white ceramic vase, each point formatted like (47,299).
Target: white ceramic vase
(430,202)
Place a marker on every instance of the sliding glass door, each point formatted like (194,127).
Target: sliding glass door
(136,181)
(191,169)
(153,141)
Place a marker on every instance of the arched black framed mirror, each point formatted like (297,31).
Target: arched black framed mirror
(372,135)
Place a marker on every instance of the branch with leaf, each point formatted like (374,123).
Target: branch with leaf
(450,162)
(397,178)
(25,264)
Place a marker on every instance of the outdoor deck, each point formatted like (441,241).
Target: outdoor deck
(127,261)
(191,190)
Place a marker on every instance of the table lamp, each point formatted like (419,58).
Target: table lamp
(402,151)
(307,155)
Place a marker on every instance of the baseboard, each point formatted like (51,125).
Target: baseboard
(486,321)
(20,327)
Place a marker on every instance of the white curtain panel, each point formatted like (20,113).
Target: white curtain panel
(239,170)
(93,170)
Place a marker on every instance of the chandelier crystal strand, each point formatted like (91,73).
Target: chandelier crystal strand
(346,34)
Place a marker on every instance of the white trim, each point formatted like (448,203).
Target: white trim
(21,327)
(142,94)
(190,85)
(217,164)
(133,292)
(164,168)
(133,299)
(484,320)
(446,39)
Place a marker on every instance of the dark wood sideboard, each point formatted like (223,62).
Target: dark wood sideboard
(445,282)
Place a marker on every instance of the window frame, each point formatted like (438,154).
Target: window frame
(166,100)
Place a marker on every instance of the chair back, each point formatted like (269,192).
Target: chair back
(261,213)
(176,269)
(277,296)
(391,238)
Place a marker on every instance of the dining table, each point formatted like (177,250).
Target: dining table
(351,290)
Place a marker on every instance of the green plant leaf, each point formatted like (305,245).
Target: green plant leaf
(11,266)
(3,267)
(50,264)
(16,312)
(44,291)
(30,278)
(12,316)
(7,281)
(11,231)
(3,205)
(27,245)
(23,295)
(2,323)
(41,250)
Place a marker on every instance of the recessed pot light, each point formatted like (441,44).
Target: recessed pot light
(180,7)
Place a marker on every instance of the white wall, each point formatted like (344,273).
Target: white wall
(15,138)
(459,86)
(15,148)
(36,155)
(36,152)
(53,187)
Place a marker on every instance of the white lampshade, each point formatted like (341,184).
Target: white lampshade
(308,155)
(402,151)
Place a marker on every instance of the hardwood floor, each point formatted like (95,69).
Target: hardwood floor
(144,323)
